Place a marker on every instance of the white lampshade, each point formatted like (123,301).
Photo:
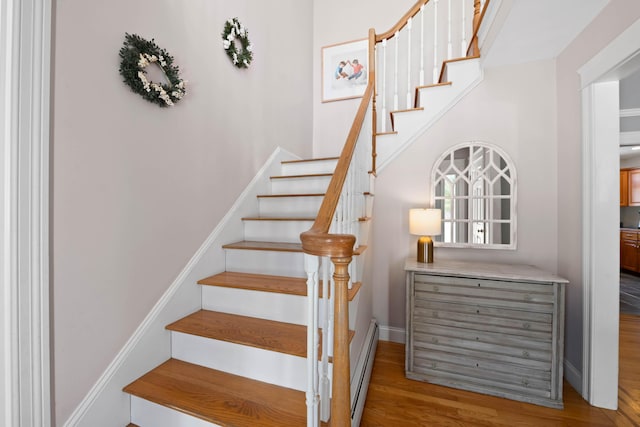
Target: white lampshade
(425,222)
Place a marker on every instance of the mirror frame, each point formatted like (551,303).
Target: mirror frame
(510,166)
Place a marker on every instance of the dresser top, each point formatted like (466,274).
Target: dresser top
(485,270)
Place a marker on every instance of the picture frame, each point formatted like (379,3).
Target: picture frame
(345,70)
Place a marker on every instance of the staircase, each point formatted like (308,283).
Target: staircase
(241,359)
(247,357)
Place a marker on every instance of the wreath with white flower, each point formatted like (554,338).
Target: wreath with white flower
(136,55)
(234,30)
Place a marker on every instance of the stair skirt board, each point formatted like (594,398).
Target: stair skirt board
(262,365)
(148,414)
(273,263)
(265,305)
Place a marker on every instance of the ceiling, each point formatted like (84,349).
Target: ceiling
(539,29)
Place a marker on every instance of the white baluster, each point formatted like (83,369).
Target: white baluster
(384,86)
(449,30)
(422,45)
(435,42)
(395,73)
(409,25)
(311,266)
(327,327)
(463,43)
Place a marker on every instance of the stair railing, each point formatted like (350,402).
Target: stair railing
(410,55)
(330,244)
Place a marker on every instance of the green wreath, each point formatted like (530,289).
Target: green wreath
(136,55)
(234,30)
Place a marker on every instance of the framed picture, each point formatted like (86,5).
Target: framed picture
(345,68)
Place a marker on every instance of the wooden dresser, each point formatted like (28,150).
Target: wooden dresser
(496,329)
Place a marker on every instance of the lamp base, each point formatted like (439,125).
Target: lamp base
(425,249)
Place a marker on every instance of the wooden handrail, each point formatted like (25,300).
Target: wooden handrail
(402,22)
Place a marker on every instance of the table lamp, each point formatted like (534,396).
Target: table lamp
(425,223)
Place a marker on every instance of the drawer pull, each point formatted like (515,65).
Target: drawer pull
(525,354)
(435,314)
(434,340)
(433,365)
(436,288)
(526,325)
(525,383)
(527,297)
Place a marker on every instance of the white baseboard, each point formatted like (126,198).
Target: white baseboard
(360,381)
(106,404)
(389,333)
(573,376)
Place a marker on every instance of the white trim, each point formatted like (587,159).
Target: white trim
(630,112)
(601,163)
(629,138)
(573,376)
(133,360)
(390,333)
(25,56)
(618,59)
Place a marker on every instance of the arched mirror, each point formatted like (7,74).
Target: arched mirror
(474,184)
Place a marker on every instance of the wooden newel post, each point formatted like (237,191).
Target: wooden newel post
(341,395)
(476,23)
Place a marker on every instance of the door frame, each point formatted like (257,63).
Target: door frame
(25,75)
(600,256)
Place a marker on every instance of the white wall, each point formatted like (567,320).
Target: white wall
(612,21)
(136,189)
(337,22)
(514,108)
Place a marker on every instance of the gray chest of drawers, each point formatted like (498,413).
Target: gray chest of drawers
(496,329)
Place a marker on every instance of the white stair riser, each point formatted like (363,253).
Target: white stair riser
(434,97)
(305,207)
(265,262)
(275,231)
(148,414)
(250,362)
(263,305)
(315,166)
(300,185)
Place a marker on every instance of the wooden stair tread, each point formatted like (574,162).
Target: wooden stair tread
(219,397)
(131,425)
(408,110)
(290,195)
(433,85)
(276,246)
(250,331)
(267,218)
(266,283)
(312,175)
(258,282)
(393,132)
(310,160)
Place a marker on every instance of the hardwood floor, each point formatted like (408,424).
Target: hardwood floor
(394,400)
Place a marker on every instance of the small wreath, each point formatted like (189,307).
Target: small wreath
(233,30)
(136,55)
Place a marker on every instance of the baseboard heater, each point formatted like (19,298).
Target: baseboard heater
(363,375)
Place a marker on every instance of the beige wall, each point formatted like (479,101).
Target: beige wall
(513,108)
(612,21)
(337,22)
(136,188)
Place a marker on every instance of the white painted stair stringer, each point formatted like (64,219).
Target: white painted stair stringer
(464,76)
